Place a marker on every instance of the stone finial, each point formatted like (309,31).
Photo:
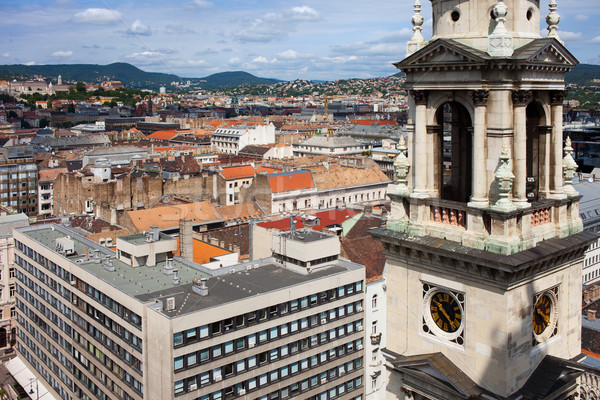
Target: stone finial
(417,41)
(504,180)
(569,168)
(401,167)
(552,20)
(500,41)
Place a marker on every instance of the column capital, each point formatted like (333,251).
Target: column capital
(420,97)
(480,97)
(521,97)
(557,97)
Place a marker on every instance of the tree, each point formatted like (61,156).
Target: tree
(71,108)
(44,122)
(80,87)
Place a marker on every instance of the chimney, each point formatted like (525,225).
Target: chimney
(176,279)
(186,241)
(591,315)
(199,286)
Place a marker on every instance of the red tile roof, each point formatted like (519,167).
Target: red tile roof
(162,135)
(334,217)
(288,181)
(282,224)
(374,121)
(243,171)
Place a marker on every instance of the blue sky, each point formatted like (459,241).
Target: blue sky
(307,39)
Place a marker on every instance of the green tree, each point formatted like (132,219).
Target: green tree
(71,108)
(80,87)
(44,122)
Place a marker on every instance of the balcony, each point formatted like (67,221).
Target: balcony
(376,339)
(503,232)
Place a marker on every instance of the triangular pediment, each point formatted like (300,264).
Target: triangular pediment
(546,51)
(443,52)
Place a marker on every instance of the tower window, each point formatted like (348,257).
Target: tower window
(529,14)
(455,15)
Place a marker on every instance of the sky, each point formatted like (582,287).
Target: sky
(292,39)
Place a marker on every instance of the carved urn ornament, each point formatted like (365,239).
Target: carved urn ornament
(504,180)
(569,168)
(401,167)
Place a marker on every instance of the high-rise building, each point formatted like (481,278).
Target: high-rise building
(484,244)
(18,180)
(139,324)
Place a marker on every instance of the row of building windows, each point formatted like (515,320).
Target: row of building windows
(43,310)
(108,322)
(340,390)
(47,329)
(279,374)
(64,394)
(215,352)
(242,321)
(591,275)
(94,293)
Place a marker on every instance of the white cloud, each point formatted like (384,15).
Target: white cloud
(233,61)
(569,36)
(199,4)
(6,55)
(260,59)
(275,26)
(303,13)
(145,55)
(138,28)
(62,53)
(581,17)
(288,55)
(30,63)
(97,16)
(595,40)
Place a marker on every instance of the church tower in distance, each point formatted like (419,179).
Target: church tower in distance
(484,243)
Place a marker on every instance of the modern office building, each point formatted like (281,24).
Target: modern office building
(139,324)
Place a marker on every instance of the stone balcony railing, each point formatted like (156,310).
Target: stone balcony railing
(503,232)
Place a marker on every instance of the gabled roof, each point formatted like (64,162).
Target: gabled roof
(288,181)
(162,135)
(339,177)
(244,171)
(448,53)
(360,247)
(169,216)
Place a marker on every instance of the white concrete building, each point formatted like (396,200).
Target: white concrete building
(231,140)
(330,145)
(147,326)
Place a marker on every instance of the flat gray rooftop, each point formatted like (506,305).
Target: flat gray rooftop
(305,235)
(241,284)
(129,280)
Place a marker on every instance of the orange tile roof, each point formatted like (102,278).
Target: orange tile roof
(268,170)
(288,181)
(243,211)
(374,121)
(338,177)
(243,171)
(169,216)
(203,252)
(163,135)
(49,175)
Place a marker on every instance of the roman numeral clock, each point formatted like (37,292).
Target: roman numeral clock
(443,313)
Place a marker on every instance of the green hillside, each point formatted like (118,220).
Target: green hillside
(583,74)
(234,79)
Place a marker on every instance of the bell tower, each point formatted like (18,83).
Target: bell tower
(484,242)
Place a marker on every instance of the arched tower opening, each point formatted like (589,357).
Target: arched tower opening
(455,151)
(536,121)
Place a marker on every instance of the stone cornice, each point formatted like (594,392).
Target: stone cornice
(443,257)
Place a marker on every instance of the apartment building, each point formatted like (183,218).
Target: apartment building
(18,180)
(231,140)
(140,324)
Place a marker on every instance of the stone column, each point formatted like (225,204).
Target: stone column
(479,193)
(520,99)
(420,159)
(556,143)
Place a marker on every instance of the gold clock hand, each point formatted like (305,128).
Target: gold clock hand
(544,316)
(441,307)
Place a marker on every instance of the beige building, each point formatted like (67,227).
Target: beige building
(484,243)
(140,324)
(8,278)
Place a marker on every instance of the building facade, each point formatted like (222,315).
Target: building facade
(140,324)
(485,243)
(18,180)
(232,139)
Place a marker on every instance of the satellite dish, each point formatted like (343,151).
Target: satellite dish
(591,179)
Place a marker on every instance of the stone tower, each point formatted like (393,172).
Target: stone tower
(484,243)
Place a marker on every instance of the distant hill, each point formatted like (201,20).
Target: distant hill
(93,73)
(583,74)
(128,74)
(234,79)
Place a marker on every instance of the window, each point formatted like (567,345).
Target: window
(179,387)
(177,338)
(190,334)
(374,328)
(11,273)
(178,363)
(191,359)
(374,301)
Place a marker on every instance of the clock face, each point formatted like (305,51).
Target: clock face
(541,314)
(445,311)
